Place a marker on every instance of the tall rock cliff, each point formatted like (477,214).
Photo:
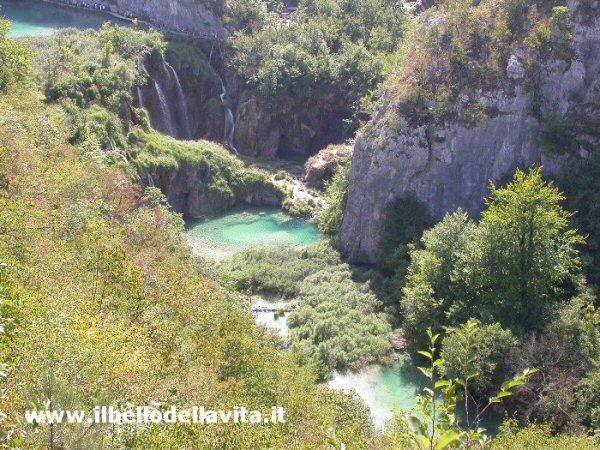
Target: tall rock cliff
(448,163)
(189,16)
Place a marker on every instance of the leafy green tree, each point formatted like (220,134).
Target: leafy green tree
(431,288)
(434,425)
(480,350)
(524,259)
(513,267)
(15,59)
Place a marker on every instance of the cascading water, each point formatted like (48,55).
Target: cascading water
(164,109)
(229,119)
(140,97)
(181,101)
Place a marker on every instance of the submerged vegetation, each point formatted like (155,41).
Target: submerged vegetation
(339,323)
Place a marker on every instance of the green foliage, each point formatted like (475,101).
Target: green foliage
(107,307)
(564,353)
(512,268)
(333,52)
(480,350)
(463,48)
(434,426)
(15,59)
(278,271)
(524,258)
(430,288)
(330,218)
(338,324)
(539,437)
(405,221)
(92,75)
(557,136)
(227,180)
(91,67)
(579,181)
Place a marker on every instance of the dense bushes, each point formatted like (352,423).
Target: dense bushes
(15,59)
(463,48)
(539,437)
(338,324)
(93,75)
(106,307)
(332,52)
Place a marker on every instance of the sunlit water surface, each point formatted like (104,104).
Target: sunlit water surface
(220,237)
(35,18)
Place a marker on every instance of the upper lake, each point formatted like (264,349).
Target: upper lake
(35,18)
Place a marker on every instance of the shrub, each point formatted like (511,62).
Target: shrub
(15,58)
(481,353)
(330,218)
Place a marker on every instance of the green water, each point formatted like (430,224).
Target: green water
(34,18)
(222,236)
(383,389)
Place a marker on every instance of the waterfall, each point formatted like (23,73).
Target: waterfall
(166,66)
(164,109)
(182,103)
(229,120)
(150,179)
(140,97)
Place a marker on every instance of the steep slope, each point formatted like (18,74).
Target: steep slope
(488,88)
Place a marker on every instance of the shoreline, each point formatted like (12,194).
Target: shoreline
(116,15)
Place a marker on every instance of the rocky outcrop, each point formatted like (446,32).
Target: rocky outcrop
(265,130)
(190,190)
(448,166)
(198,113)
(321,167)
(185,16)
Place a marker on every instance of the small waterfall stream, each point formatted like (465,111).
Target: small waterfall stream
(229,120)
(140,97)
(181,101)
(164,109)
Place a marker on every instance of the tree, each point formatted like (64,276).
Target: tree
(477,349)
(435,425)
(513,267)
(15,59)
(524,259)
(431,288)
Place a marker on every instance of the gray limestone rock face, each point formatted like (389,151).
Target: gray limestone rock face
(450,166)
(188,16)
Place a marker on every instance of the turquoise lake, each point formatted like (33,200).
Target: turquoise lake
(35,18)
(222,236)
